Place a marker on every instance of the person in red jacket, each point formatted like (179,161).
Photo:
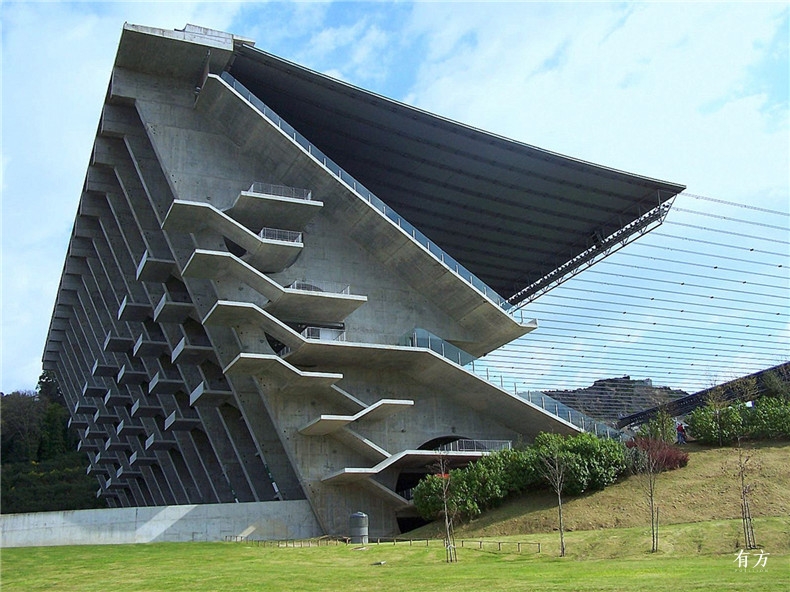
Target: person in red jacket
(681,434)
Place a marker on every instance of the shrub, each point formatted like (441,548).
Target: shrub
(769,419)
(484,483)
(427,497)
(603,458)
(660,427)
(519,467)
(468,500)
(664,456)
(717,423)
(469,492)
(592,463)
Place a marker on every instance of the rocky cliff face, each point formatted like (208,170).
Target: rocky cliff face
(611,398)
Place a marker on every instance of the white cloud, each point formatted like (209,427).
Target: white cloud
(657,89)
(359,51)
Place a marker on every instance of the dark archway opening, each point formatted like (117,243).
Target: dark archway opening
(234,248)
(410,477)
(409,523)
(437,443)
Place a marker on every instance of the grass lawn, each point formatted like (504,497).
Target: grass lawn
(699,556)
(607,546)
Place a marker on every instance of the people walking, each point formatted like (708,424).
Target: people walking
(681,434)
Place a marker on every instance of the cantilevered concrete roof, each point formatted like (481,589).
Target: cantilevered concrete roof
(511,213)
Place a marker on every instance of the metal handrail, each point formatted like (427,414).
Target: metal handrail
(464,445)
(569,414)
(320,286)
(290,236)
(425,339)
(448,261)
(281,191)
(422,338)
(324,334)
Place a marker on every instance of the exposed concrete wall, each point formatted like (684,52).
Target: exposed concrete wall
(170,364)
(197,523)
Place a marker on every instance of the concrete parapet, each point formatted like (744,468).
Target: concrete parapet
(195,523)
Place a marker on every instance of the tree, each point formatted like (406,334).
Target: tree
(744,473)
(54,440)
(774,386)
(49,390)
(442,495)
(22,413)
(48,486)
(34,427)
(648,458)
(39,473)
(645,466)
(555,466)
(449,509)
(660,427)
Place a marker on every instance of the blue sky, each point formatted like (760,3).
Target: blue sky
(695,93)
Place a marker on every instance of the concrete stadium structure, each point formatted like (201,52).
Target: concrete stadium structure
(277,283)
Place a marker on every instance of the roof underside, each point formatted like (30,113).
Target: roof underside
(509,212)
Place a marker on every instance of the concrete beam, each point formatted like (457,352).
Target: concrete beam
(154,270)
(170,311)
(267,255)
(327,424)
(256,210)
(285,303)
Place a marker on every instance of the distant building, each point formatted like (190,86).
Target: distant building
(276,282)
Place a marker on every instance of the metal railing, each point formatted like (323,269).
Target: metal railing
(320,286)
(281,191)
(367,195)
(569,414)
(464,445)
(324,334)
(422,338)
(278,234)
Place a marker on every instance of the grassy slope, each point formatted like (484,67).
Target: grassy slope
(706,489)
(697,553)
(611,560)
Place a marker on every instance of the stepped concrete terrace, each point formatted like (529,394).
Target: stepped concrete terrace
(253,246)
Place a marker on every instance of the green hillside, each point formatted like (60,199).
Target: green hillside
(706,489)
